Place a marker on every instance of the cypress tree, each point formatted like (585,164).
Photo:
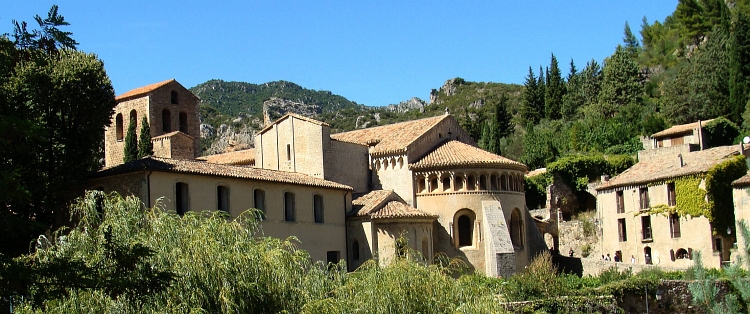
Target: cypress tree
(620,83)
(145,147)
(739,70)
(541,92)
(503,124)
(131,143)
(554,91)
(529,107)
(573,98)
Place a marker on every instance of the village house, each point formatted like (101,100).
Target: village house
(638,209)
(741,198)
(348,196)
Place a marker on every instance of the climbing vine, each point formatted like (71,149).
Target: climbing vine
(719,187)
(690,198)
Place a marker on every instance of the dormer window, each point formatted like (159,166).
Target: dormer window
(175,99)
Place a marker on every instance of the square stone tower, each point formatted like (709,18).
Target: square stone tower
(172,114)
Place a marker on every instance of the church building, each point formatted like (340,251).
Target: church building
(348,195)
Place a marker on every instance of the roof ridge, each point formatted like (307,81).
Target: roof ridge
(143,89)
(294,115)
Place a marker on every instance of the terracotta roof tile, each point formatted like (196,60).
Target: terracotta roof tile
(205,168)
(667,167)
(240,157)
(459,154)
(142,90)
(743,181)
(682,128)
(391,138)
(536,172)
(381,204)
(289,114)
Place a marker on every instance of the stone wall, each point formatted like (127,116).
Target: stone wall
(186,103)
(114,149)
(347,163)
(392,173)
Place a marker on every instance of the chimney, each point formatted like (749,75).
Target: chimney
(681,164)
(447,111)
(605,178)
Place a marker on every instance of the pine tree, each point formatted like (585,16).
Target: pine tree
(631,43)
(554,91)
(620,84)
(145,147)
(739,69)
(131,143)
(574,97)
(530,113)
(502,119)
(689,15)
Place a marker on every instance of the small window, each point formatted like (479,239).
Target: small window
(465,231)
(446,184)
(503,182)
(174,97)
(483,182)
(682,254)
(620,199)
(718,245)
(433,184)
(222,198)
(332,257)
(493,182)
(459,184)
(134,117)
(288,152)
(470,183)
(118,126)
(166,121)
(646,227)
(182,198)
(516,228)
(289,207)
(674,225)
(259,200)
(318,208)
(183,123)
(420,185)
(644,201)
(355,250)
(671,195)
(622,230)
(425,248)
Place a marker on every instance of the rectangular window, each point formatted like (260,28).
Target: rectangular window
(332,257)
(671,195)
(674,225)
(181,198)
(643,196)
(678,141)
(259,200)
(289,206)
(620,199)
(288,152)
(222,197)
(718,247)
(621,230)
(646,227)
(318,208)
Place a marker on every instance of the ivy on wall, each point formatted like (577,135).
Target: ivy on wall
(691,198)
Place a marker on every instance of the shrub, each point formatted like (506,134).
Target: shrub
(585,250)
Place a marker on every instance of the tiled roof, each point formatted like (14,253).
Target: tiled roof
(458,154)
(743,181)
(210,169)
(142,90)
(289,114)
(682,128)
(667,167)
(170,134)
(381,204)
(536,172)
(240,157)
(391,138)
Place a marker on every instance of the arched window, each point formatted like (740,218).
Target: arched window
(512,182)
(355,250)
(318,208)
(520,183)
(166,121)
(393,163)
(471,183)
(433,184)
(459,183)
(289,206)
(183,123)
(503,182)
(516,228)
(483,182)
(425,249)
(259,200)
(118,126)
(182,198)
(385,164)
(493,182)
(420,185)
(222,198)
(174,98)
(446,184)
(465,230)
(134,117)
(682,254)
(400,162)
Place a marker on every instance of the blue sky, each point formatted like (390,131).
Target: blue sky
(371,52)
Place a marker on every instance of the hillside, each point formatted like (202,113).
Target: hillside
(232,108)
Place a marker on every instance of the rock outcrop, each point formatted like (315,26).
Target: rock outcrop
(275,108)
(412,104)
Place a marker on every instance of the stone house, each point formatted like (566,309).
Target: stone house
(349,195)
(741,198)
(635,209)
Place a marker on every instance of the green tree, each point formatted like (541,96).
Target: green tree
(531,109)
(145,147)
(498,126)
(689,15)
(739,70)
(591,80)
(56,103)
(631,43)
(574,95)
(554,91)
(620,84)
(131,143)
